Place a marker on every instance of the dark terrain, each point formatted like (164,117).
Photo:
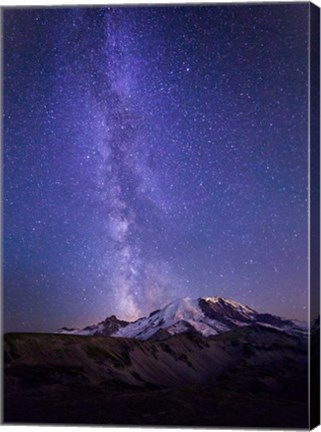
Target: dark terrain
(252,376)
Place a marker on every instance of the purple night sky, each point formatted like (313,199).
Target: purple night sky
(152,153)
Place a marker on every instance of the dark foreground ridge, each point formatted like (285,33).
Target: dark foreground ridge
(252,376)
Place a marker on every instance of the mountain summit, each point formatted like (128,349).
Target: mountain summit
(205,315)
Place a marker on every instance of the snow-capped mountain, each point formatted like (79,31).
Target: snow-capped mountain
(105,328)
(205,315)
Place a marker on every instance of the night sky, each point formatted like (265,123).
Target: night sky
(152,153)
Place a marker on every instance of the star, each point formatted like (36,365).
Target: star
(153,153)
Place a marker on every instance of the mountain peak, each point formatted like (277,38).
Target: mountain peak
(223,300)
(205,315)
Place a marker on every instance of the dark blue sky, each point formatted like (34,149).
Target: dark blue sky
(153,153)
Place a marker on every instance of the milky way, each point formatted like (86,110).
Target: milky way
(154,153)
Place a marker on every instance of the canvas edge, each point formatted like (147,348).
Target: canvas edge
(314,208)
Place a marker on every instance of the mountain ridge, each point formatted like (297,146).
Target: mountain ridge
(189,379)
(208,316)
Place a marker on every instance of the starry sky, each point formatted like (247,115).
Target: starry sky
(152,153)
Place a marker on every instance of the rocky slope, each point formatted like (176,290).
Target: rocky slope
(256,372)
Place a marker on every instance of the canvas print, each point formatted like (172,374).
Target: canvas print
(161,214)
